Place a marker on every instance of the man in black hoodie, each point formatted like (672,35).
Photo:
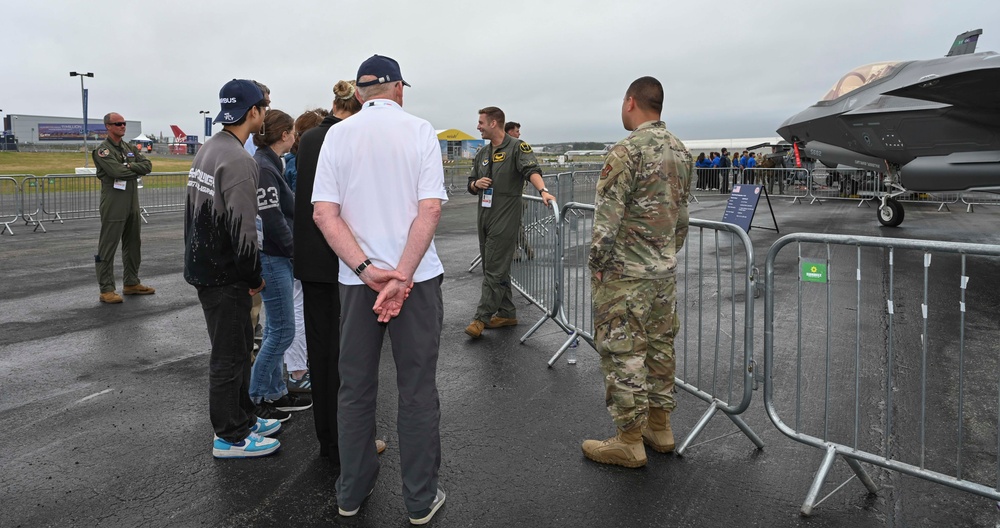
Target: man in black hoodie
(222,260)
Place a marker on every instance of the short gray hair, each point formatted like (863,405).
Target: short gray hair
(375,90)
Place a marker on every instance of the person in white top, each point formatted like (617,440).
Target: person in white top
(377,199)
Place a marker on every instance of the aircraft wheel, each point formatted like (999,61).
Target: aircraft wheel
(891,214)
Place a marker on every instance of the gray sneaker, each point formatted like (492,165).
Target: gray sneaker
(424,516)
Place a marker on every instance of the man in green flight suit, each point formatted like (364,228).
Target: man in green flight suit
(119,164)
(498,175)
(640,223)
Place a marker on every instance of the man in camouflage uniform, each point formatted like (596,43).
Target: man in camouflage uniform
(640,223)
(119,164)
(498,175)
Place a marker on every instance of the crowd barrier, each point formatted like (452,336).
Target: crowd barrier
(846,354)
(10,203)
(61,197)
(714,351)
(161,192)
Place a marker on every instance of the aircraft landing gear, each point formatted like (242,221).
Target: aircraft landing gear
(890,212)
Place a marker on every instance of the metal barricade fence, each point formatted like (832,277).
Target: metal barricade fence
(836,386)
(69,197)
(793,183)
(536,272)
(971,199)
(10,203)
(31,202)
(845,184)
(713,350)
(161,192)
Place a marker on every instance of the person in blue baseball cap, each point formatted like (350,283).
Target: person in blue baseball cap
(383,69)
(222,261)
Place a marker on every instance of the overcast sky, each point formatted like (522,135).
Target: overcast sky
(559,67)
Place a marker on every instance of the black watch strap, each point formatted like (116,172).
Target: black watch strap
(361,267)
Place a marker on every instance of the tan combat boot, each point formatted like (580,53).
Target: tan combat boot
(475,329)
(138,289)
(657,433)
(111,298)
(499,322)
(623,449)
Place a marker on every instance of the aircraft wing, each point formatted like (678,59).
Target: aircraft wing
(969,89)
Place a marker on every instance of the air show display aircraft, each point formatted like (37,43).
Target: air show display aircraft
(927,125)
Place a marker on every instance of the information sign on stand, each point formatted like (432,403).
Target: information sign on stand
(742,205)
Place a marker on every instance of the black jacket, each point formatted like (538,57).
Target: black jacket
(314,260)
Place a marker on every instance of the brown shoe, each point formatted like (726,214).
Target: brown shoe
(623,449)
(475,329)
(379,447)
(499,322)
(111,298)
(138,289)
(657,434)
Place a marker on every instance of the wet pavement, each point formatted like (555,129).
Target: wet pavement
(105,410)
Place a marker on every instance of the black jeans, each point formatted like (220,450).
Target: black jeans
(227,315)
(321,312)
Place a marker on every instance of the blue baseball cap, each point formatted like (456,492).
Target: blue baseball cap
(236,98)
(385,70)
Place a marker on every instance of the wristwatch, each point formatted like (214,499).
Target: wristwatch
(361,267)
(543,190)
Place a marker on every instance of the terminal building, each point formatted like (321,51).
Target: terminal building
(52,130)
(456,145)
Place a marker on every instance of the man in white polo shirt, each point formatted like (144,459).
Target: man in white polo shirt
(377,199)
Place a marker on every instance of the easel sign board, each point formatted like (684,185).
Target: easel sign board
(742,205)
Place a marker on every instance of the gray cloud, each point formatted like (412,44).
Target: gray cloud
(730,69)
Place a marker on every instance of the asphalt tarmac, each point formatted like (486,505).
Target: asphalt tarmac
(104,409)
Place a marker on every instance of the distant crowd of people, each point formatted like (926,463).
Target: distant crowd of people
(719,171)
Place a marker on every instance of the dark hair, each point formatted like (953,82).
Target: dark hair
(276,123)
(308,119)
(647,93)
(511,125)
(493,113)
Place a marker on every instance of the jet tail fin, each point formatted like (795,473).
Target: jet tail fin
(179,134)
(965,43)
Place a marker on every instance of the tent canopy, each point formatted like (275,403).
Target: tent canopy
(453,134)
(141,138)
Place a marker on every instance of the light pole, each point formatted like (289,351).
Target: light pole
(83,98)
(205,119)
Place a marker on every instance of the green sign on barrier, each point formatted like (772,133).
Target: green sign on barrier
(813,271)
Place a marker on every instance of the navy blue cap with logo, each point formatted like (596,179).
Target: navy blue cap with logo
(384,69)
(236,98)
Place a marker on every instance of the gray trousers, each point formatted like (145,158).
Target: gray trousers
(416,336)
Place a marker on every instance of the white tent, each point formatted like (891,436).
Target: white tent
(141,138)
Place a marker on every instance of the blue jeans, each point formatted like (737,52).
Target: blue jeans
(266,378)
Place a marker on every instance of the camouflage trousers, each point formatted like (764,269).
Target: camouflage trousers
(635,322)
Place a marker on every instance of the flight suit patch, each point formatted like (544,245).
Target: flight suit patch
(103,152)
(526,148)
(499,156)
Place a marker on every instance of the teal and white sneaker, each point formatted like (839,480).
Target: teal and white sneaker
(251,446)
(266,427)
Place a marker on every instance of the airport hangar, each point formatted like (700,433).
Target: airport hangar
(52,130)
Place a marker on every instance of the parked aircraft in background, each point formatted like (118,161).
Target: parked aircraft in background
(928,125)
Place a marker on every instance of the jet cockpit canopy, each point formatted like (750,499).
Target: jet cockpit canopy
(861,76)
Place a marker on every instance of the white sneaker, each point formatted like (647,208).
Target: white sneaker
(425,516)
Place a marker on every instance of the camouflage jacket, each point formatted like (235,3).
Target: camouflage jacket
(641,217)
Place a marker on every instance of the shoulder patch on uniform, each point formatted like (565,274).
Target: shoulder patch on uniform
(526,148)
(606,171)
(499,156)
(103,152)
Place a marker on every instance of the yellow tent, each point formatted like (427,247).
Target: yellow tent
(453,134)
